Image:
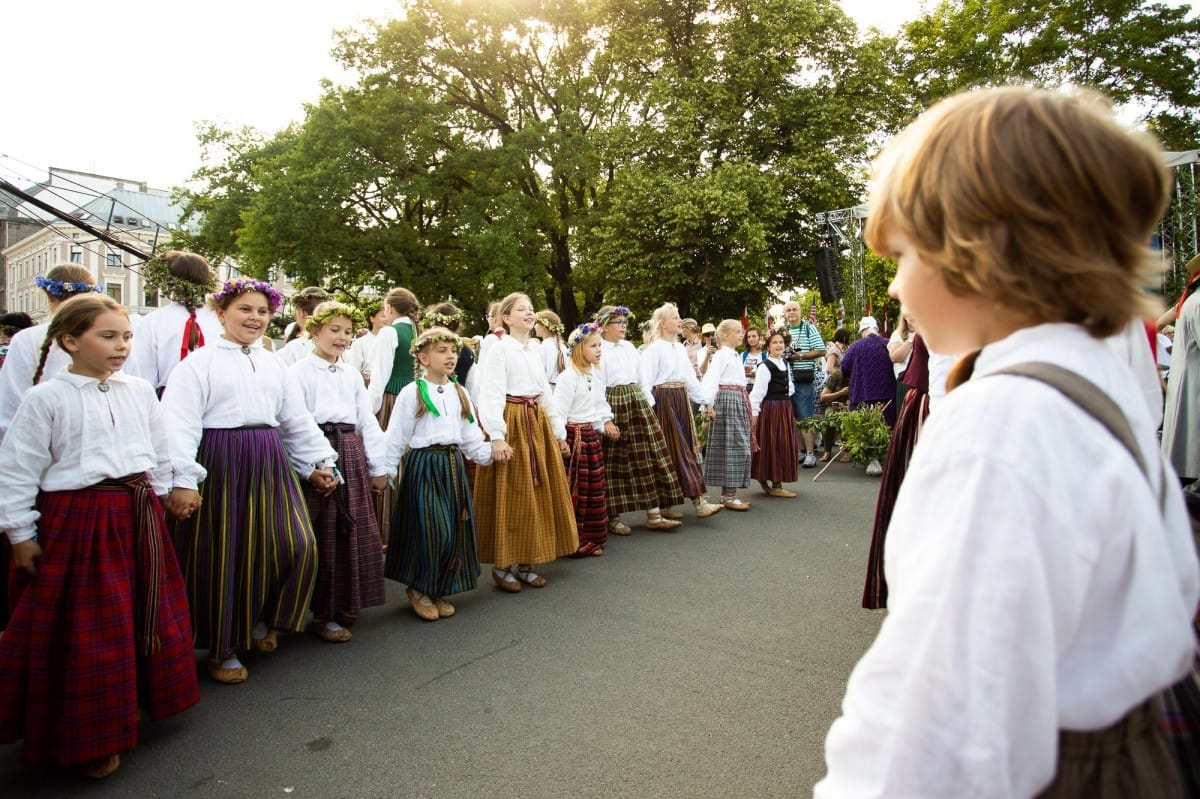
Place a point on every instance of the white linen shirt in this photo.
(513, 368)
(405, 431)
(581, 397)
(665, 361)
(724, 369)
(548, 351)
(219, 387)
(158, 340)
(384, 359)
(334, 392)
(361, 355)
(619, 364)
(16, 377)
(1025, 596)
(762, 380)
(67, 435)
(295, 351)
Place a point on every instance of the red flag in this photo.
(868, 313)
(745, 316)
(812, 313)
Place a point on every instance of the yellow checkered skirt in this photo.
(523, 511)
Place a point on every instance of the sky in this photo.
(118, 88)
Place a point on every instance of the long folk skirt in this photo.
(727, 456)
(100, 631)
(637, 472)
(249, 553)
(386, 500)
(523, 507)
(904, 438)
(679, 430)
(777, 459)
(585, 475)
(350, 557)
(433, 545)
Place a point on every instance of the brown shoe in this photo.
(659, 523)
(99, 769)
(322, 631)
(704, 508)
(444, 608)
(226, 676)
(734, 503)
(422, 605)
(506, 580)
(267, 644)
(527, 575)
(780, 491)
(345, 619)
(618, 527)
(671, 513)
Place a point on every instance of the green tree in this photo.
(1141, 54)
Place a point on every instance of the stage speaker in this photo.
(828, 280)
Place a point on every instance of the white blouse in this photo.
(549, 351)
(405, 431)
(159, 338)
(762, 382)
(581, 397)
(361, 355)
(67, 434)
(296, 350)
(665, 361)
(220, 387)
(724, 369)
(16, 377)
(513, 368)
(1024, 597)
(386, 342)
(334, 392)
(619, 364)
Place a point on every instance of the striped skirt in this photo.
(727, 456)
(523, 507)
(585, 475)
(349, 557)
(99, 632)
(386, 500)
(900, 449)
(679, 431)
(638, 474)
(434, 522)
(777, 459)
(248, 554)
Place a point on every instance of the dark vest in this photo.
(403, 364)
(777, 387)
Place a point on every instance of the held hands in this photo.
(378, 484)
(710, 412)
(325, 480)
(182, 502)
(611, 430)
(564, 447)
(501, 452)
(26, 555)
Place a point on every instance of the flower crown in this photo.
(582, 332)
(57, 288)
(157, 274)
(434, 335)
(436, 319)
(242, 285)
(328, 310)
(603, 318)
(556, 328)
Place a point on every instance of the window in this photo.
(150, 298)
(76, 256)
(119, 220)
(113, 259)
(133, 220)
(113, 290)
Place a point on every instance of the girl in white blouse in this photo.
(100, 625)
(350, 555)
(522, 501)
(432, 431)
(239, 434)
(580, 394)
(553, 350)
(730, 435)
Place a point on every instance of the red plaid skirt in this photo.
(73, 672)
(585, 474)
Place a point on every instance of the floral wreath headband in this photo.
(435, 335)
(556, 328)
(582, 332)
(440, 319)
(157, 273)
(57, 288)
(603, 319)
(328, 310)
(243, 285)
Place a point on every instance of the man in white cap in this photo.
(868, 367)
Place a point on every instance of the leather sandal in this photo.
(671, 513)
(618, 527)
(733, 503)
(322, 631)
(780, 491)
(422, 605)
(588, 548)
(527, 575)
(657, 522)
(506, 580)
(99, 769)
(445, 609)
(268, 643)
(345, 619)
(704, 508)
(227, 676)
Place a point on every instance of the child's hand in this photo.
(611, 430)
(324, 481)
(26, 555)
(378, 484)
(183, 502)
(711, 413)
(564, 447)
(501, 452)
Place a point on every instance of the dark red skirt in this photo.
(778, 456)
(73, 664)
(585, 474)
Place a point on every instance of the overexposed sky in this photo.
(117, 88)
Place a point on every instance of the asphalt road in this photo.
(707, 662)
